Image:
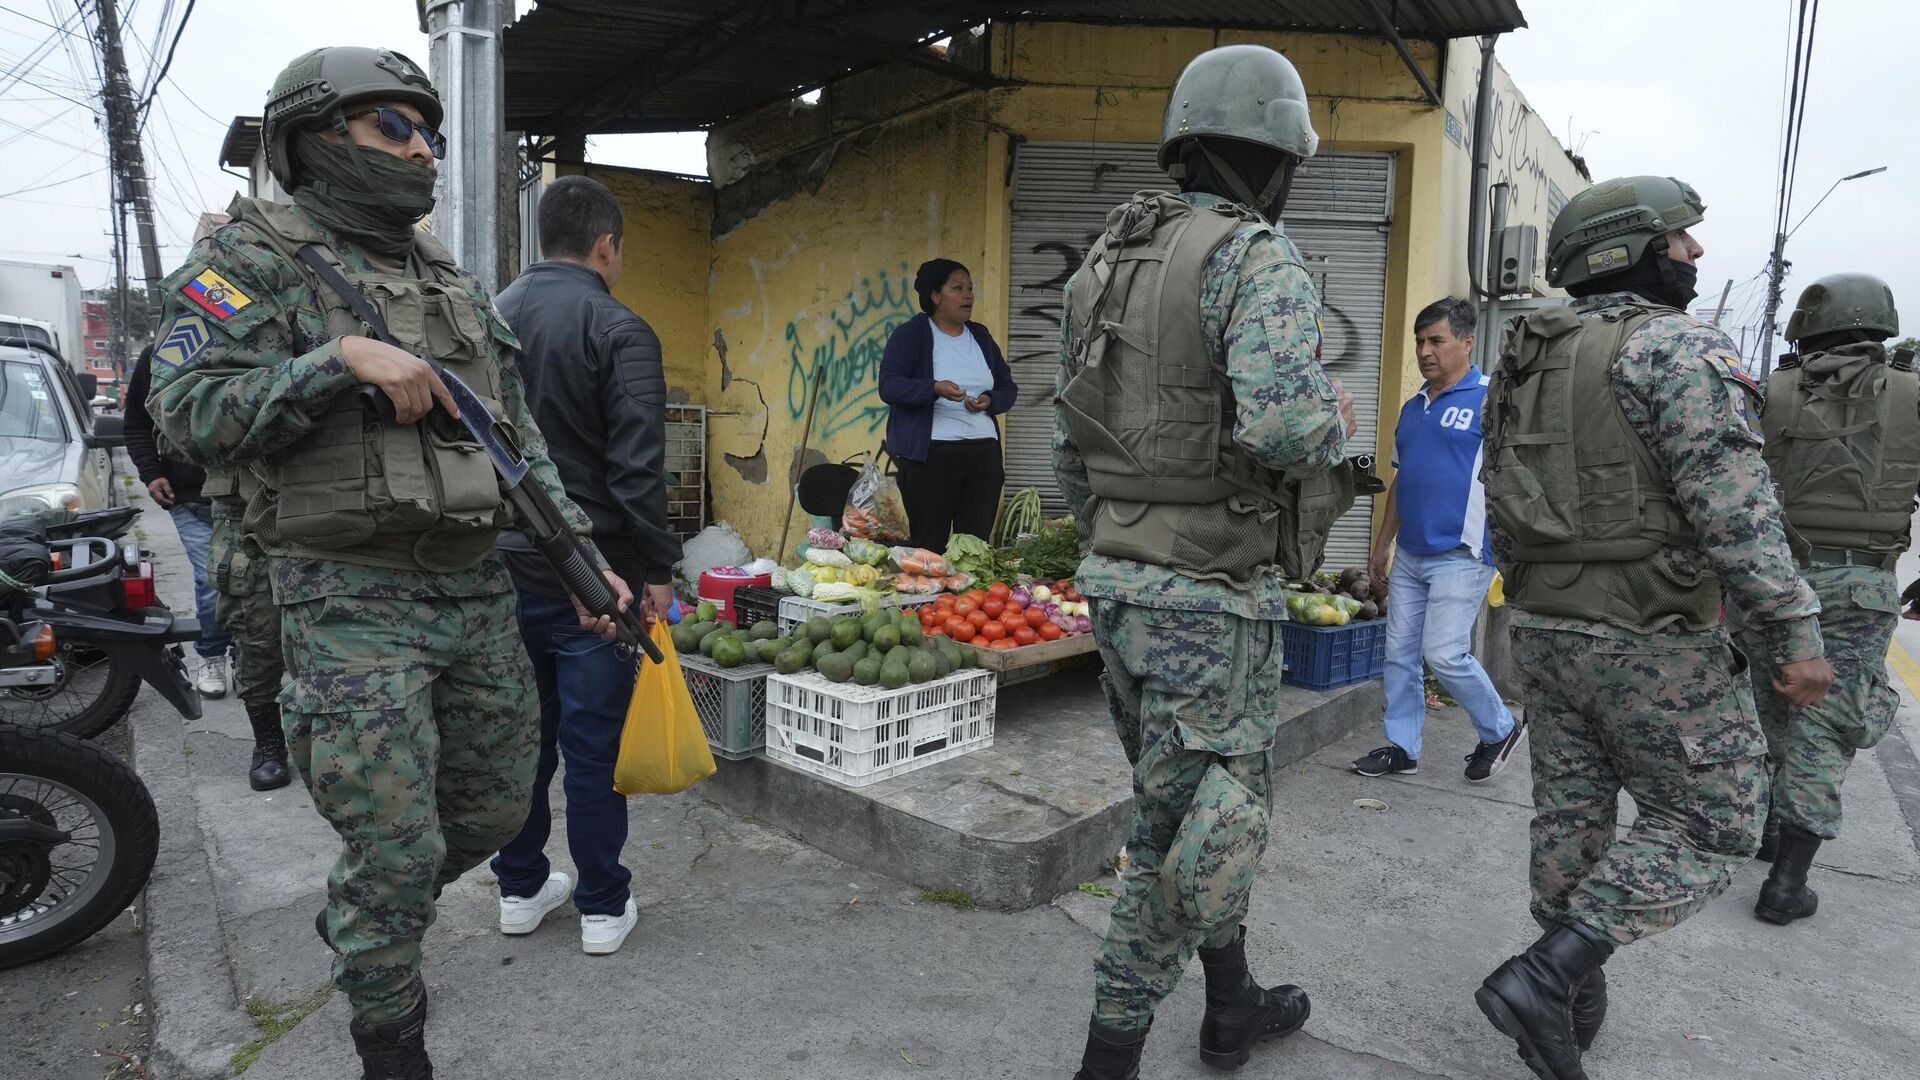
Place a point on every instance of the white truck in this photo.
(38, 300)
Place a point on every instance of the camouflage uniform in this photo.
(1809, 749)
(1669, 716)
(1192, 666)
(411, 714)
(244, 605)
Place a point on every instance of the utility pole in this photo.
(1776, 272)
(1720, 310)
(129, 164)
(463, 54)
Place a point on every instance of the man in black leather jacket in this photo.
(597, 390)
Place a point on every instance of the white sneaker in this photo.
(603, 934)
(210, 675)
(522, 914)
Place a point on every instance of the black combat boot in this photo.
(1111, 1055)
(269, 748)
(1786, 895)
(1769, 840)
(397, 1049)
(1589, 1007)
(1530, 997)
(1239, 1012)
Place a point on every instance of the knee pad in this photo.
(1215, 856)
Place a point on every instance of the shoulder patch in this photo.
(1747, 397)
(214, 294)
(183, 339)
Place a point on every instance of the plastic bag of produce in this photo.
(921, 561)
(825, 538)
(866, 552)
(663, 749)
(875, 510)
(828, 557)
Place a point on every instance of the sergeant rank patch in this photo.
(216, 294)
(185, 337)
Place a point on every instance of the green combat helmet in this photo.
(1248, 93)
(1840, 302)
(1606, 228)
(316, 84)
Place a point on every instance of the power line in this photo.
(153, 87)
(42, 22)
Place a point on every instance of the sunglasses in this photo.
(400, 128)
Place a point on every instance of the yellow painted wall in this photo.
(817, 277)
(668, 248)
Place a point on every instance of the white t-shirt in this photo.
(958, 359)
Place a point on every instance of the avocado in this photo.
(708, 643)
(683, 639)
(921, 669)
(910, 633)
(769, 651)
(705, 612)
(702, 629)
(893, 675)
(822, 651)
(942, 667)
(899, 654)
(866, 672)
(730, 653)
(955, 654)
(856, 651)
(819, 629)
(886, 639)
(845, 632)
(764, 631)
(791, 661)
(835, 667)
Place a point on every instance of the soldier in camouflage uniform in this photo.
(244, 607)
(1177, 464)
(411, 714)
(1617, 529)
(1842, 425)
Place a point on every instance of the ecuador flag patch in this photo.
(215, 294)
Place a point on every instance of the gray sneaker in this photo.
(1387, 759)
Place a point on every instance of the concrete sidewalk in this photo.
(759, 957)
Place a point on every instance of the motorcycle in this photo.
(111, 632)
(78, 828)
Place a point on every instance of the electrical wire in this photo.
(31, 60)
(154, 87)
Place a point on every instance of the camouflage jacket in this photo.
(228, 391)
(1261, 319)
(1683, 390)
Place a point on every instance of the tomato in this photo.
(945, 603)
(961, 631)
(964, 606)
(953, 621)
(1015, 604)
(998, 590)
(978, 619)
(1004, 643)
(926, 616)
(1051, 631)
(976, 595)
(1026, 636)
(1037, 617)
(993, 607)
(993, 631)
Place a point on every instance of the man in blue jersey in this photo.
(1436, 518)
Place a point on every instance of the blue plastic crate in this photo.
(1323, 657)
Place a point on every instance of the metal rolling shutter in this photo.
(1338, 214)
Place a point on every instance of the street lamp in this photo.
(1777, 269)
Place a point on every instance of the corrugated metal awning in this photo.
(578, 67)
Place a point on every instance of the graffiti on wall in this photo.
(842, 353)
(1520, 146)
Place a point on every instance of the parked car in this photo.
(54, 451)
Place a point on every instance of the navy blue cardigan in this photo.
(906, 384)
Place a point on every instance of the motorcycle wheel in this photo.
(90, 694)
(53, 897)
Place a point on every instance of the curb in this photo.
(197, 1023)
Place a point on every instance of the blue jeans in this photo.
(1432, 602)
(584, 687)
(195, 525)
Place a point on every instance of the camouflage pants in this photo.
(415, 727)
(244, 607)
(1809, 749)
(1188, 690)
(1674, 728)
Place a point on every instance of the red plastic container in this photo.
(717, 588)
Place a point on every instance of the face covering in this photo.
(1655, 276)
(372, 197)
(1679, 279)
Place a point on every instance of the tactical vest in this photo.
(1574, 486)
(1153, 417)
(419, 496)
(1843, 444)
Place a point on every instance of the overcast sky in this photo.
(1642, 86)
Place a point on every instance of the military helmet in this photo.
(1606, 228)
(318, 83)
(1844, 302)
(1245, 92)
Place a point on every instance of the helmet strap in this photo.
(1270, 198)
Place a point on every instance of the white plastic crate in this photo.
(795, 610)
(858, 735)
(732, 703)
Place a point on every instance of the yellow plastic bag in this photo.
(662, 747)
